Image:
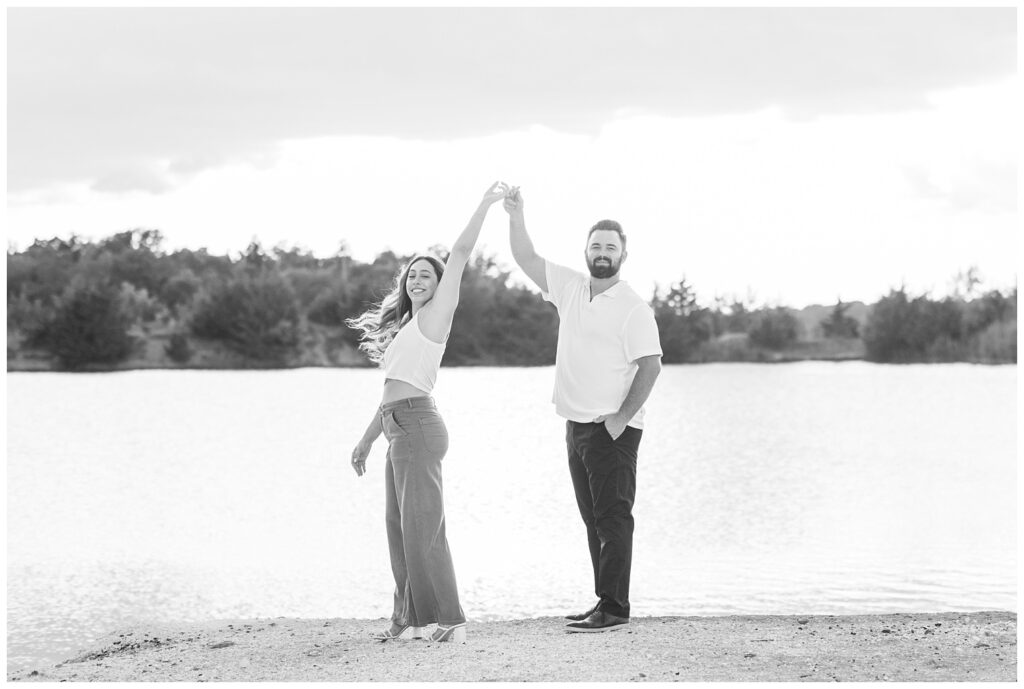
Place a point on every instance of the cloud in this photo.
(95, 93)
(979, 185)
(139, 178)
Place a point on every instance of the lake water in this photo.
(152, 496)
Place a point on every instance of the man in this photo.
(608, 357)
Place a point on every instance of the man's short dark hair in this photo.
(609, 225)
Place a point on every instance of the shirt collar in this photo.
(611, 292)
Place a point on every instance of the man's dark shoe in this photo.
(579, 617)
(598, 622)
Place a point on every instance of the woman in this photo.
(406, 334)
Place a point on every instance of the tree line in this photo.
(89, 304)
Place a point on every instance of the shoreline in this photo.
(978, 646)
(21, 368)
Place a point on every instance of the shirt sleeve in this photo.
(558, 278)
(642, 338)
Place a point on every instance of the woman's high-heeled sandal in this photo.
(398, 631)
(456, 633)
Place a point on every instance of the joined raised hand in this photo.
(513, 200)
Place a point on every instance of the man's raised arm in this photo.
(523, 252)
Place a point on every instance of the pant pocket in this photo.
(435, 434)
(391, 427)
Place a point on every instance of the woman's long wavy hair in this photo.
(380, 323)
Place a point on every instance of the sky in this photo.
(792, 156)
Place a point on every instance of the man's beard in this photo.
(604, 270)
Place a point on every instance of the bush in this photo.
(901, 329)
(683, 325)
(996, 344)
(774, 328)
(255, 316)
(25, 315)
(134, 257)
(89, 327)
(180, 289)
(178, 350)
(138, 305)
(945, 349)
(838, 324)
(44, 270)
(341, 301)
(992, 307)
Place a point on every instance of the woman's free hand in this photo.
(359, 456)
(496, 192)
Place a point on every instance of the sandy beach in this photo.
(899, 647)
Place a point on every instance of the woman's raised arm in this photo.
(436, 318)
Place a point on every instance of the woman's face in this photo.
(421, 282)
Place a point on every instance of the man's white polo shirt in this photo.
(599, 342)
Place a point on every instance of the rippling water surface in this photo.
(803, 488)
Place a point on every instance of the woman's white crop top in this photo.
(412, 358)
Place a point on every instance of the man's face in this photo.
(604, 253)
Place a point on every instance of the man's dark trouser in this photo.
(604, 478)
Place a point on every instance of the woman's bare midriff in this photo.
(395, 390)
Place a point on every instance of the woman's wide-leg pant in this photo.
(425, 589)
